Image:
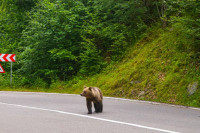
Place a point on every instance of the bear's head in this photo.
(87, 92)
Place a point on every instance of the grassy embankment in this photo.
(153, 69)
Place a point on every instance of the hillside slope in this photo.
(153, 69)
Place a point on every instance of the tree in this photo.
(52, 40)
(184, 19)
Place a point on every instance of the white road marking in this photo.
(155, 103)
(91, 117)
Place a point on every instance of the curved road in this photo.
(24, 112)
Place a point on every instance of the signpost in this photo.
(7, 58)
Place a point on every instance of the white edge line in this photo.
(91, 117)
(154, 103)
(113, 98)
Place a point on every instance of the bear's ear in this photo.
(85, 86)
(90, 88)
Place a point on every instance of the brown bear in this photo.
(93, 94)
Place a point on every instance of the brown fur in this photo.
(93, 94)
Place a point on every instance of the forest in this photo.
(62, 45)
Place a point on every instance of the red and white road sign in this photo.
(1, 69)
(7, 57)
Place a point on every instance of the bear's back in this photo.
(97, 93)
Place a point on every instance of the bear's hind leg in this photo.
(96, 107)
(100, 107)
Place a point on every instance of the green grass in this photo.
(153, 69)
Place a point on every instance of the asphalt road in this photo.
(23, 112)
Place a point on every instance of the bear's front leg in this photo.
(89, 106)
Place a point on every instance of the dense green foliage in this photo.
(65, 41)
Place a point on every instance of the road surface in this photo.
(24, 112)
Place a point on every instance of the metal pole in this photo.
(11, 75)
